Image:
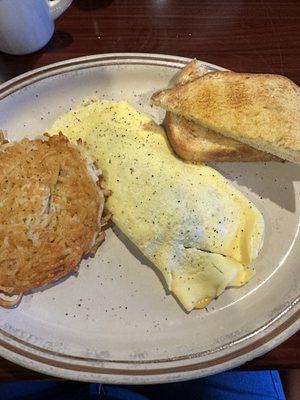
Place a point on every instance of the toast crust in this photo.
(191, 71)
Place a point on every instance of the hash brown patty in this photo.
(50, 211)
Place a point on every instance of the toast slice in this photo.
(261, 110)
(191, 71)
(194, 142)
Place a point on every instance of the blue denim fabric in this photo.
(232, 385)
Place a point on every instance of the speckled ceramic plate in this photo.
(114, 322)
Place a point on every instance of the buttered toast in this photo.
(194, 142)
(261, 110)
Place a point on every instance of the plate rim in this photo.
(15, 350)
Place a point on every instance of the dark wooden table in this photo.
(253, 36)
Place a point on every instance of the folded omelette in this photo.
(196, 228)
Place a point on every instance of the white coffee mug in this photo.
(28, 25)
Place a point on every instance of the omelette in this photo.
(196, 228)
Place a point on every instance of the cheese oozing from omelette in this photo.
(197, 229)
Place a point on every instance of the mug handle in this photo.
(57, 7)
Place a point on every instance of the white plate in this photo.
(114, 321)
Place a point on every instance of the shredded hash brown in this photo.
(50, 210)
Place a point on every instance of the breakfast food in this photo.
(197, 229)
(194, 142)
(261, 110)
(191, 71)
(50, 212)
